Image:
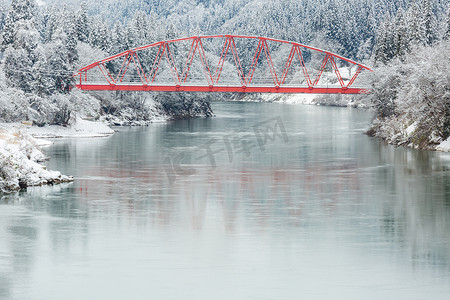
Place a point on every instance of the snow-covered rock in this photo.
(19, 163)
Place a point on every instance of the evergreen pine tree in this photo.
(59, 59)
(171, 32)
(139, 22)
(118, 40)
(3, 11)
(385, 43)
(43, 84)
(20, 10)
(99, 34)
(429, 22)
(401, 34)
(52, 23)
(82, 23)
(447, 25)
(20, 39)
(415, 23)
(71, 41)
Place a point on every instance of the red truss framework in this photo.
(212, 76)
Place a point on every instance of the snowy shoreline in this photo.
(309, 99)
(20, 161)
(400, 134)
(79, 129)
(21, 155)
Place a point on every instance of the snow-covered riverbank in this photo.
(411, 99)
(20, 158)
(311, 99)
(396, 131)
(79, 129)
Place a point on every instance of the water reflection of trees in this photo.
(41, 218)
(417, 211)
(398, 201)
(18, 238)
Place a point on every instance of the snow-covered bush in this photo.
(13, 104)
(412, 98)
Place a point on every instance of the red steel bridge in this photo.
(224, 63)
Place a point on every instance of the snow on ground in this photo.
(19, 162)
(309, 99)
(313, 99)
(42, 143)
(411, 128)
(444, 146)
(81, 128)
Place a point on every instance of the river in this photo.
(263, 201)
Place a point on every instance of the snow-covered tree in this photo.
(385, 43)
(118, 39)
(20, 39)
(415, 23)
(430, 23)
(61, 56)
(50, 21)
(70, 42)
(21, 14)
(3, 11)
(402, 34)
(18, 68)
(447, 25)
(82, 23)
(99, 34)
(43, 83)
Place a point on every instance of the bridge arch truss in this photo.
(169, 66)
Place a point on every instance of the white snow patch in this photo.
(80, 129)
(444, 146)
(42, 143)
(411, 128)
(301, 99)
(309, 99)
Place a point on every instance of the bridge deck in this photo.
(224, 89)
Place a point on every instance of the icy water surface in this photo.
(264, 201)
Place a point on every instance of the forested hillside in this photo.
(348, 27)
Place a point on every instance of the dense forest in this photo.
(44, 42)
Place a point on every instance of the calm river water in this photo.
(263, 201)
